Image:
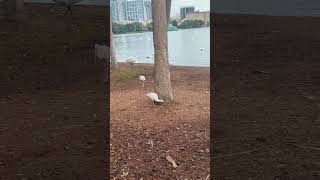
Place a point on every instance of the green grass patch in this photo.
(122, 75)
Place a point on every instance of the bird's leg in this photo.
(142, 84)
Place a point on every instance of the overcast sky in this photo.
(202, 5)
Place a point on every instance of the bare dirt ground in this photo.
(53, 103)
(143, 134)
(266, 101)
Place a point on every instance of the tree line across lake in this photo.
(119, 28)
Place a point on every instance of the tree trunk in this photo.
(160, 39)
(168, 10)
(114, 64)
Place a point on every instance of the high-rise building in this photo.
(131, 10)
(114, 10)
(117, 10)
(184, 11)
(134, 10)
(148, 10)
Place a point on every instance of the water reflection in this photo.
(184, 47)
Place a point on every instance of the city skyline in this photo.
(131, 10)
(119, 13)
(201, 5)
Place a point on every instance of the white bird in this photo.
(67, 3)
(154, 97)
(131, 61)
(142, 79)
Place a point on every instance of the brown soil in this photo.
(266, 122)
(180, 130)
(53, 100)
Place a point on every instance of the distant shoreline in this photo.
(151, 31)
(151, 64)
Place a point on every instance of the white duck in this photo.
(142, 79)
(154, 97)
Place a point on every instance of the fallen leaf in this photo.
(171, 161)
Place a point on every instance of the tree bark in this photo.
(160, 38)
(114, 64)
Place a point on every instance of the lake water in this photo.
(184, 47)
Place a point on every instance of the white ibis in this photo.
(131, 61)
(142, 79)
(154, 97)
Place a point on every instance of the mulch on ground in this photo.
(143, 134)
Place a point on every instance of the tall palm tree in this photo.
(160, 16)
